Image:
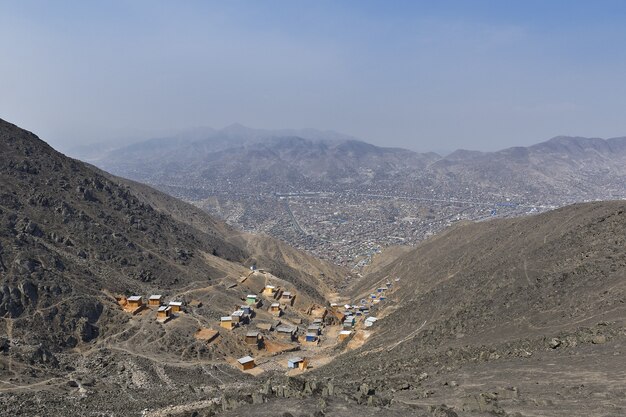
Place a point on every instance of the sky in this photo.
(423, 75)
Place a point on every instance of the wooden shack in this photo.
(286, 332)
(176, 306)
(227, 322)
(275, 309)
(134, 301)
(155, 300)
(286, 297)
(245, 363)
(253, 338)
(164, 313)
(269, 290)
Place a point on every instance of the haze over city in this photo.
(423, 76)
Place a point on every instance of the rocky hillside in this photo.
(74, 242)
(533, 303)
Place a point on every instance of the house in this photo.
(314, 329)
(380, 289)
(311, 337)
(246, 309)
(349, 321)
(318, 322)
(251, 300)
(164, 313)
(245, 363)
(227, 322)
(297, 363)
(155, 300)
(344, 334)
(287, 297)
(134, 301)
(176, 306)
(287, 332)
(253, 338)
(237, 316)
(269, 290)
(275, 309)
(369, 322)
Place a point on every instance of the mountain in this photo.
(342, 199)
(508, 315)
(562, 169)
(565, 169)
(75, 242)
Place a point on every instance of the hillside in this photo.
(535, 303)
(76, 242)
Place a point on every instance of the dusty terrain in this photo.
(519, 317)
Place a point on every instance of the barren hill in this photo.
(535, 303)
(75, 243)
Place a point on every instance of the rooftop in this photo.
(245, 359)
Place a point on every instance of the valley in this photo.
(520, 316)
(343, 200)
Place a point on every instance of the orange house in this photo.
(245, 363)
(155, 300)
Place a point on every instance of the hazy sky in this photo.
(433, 75)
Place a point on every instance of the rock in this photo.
(442, 411)
(599, 340)
(422, 376)
(554, 343)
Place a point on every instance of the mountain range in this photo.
(510, 317)
(562, 169)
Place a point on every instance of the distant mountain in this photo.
(563, 169)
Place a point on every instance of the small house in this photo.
(253, 338)
(314, 329)
(251, 299)
(286, 297)
(176, 306)
(344, 334)
(269, 290)
(237, 316)
(295, 363)
(227, 322)
(369, 322)
(318, 322)
(286, 332)
(245, 363)
(134, 301)
(155, 300)
(349, 321)
(311, 337)
(164, 313)
(380, 289)
(246, 309)
(275, 309)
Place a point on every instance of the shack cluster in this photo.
(135, 304)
